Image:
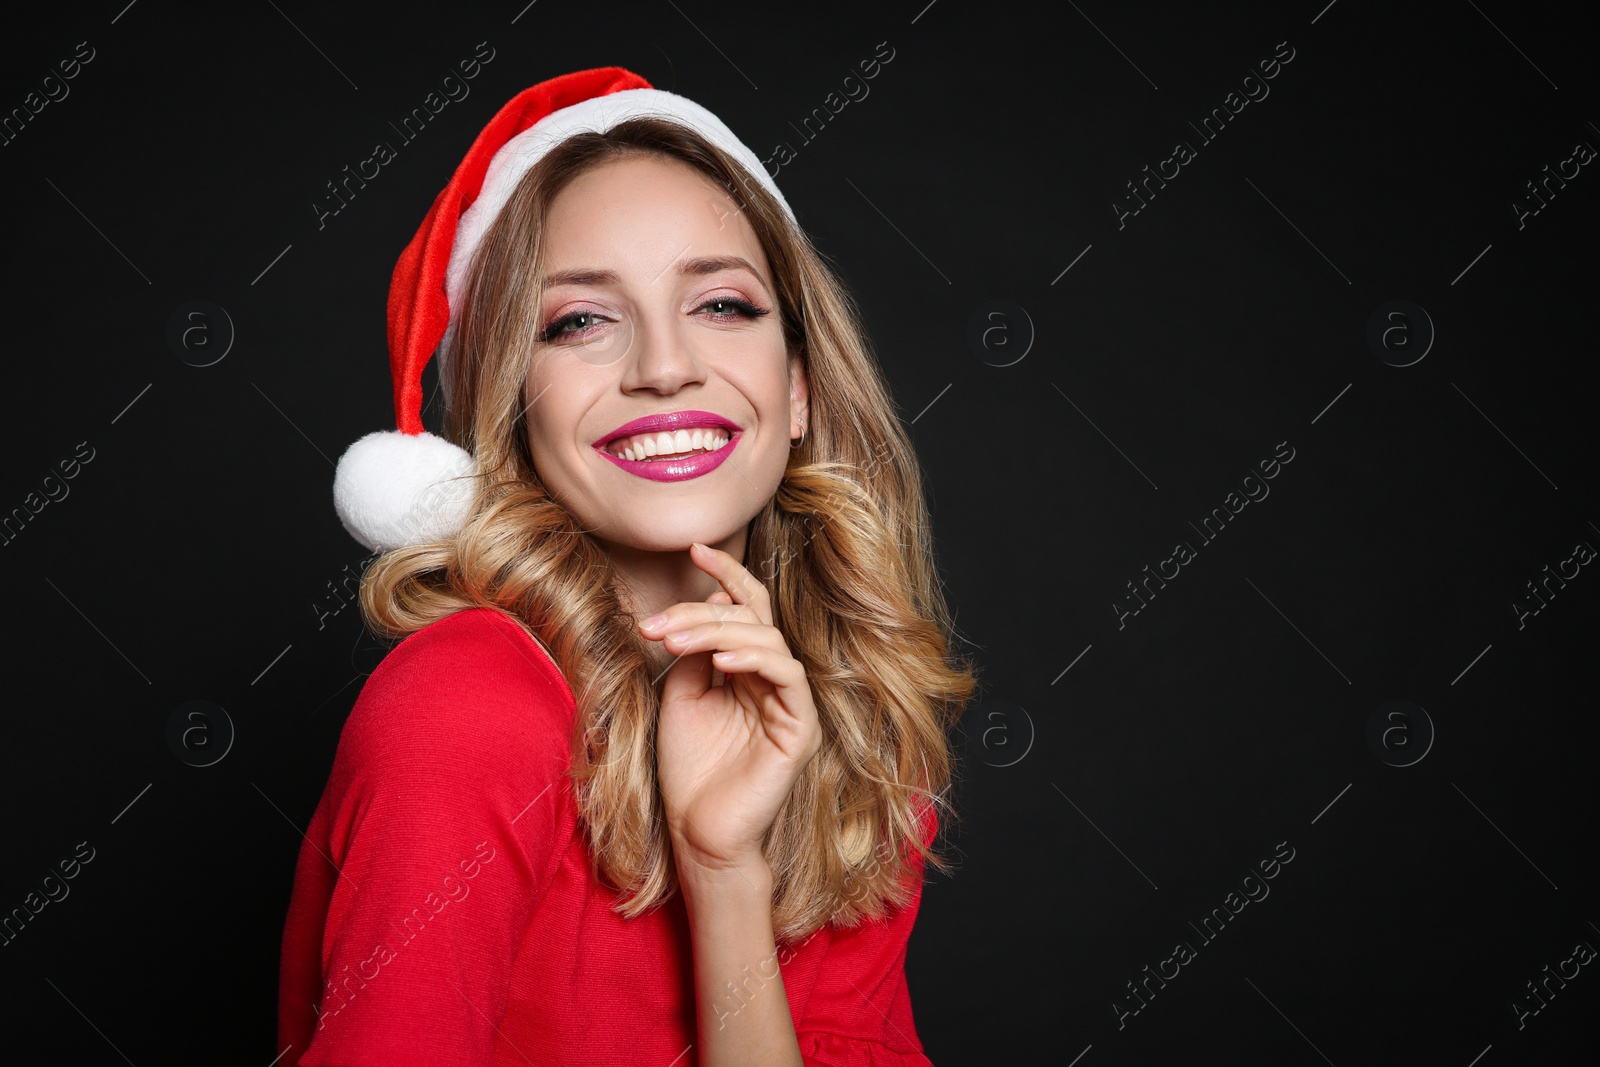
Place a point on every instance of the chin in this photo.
(674, 536)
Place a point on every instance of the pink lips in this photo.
(672, 470)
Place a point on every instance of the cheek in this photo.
(553, 410)
(540, 445)
(532, 427)
(762, 375)
(534, 383)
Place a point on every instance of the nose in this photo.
(661, 357)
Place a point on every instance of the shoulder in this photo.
(468, 648)
(470, 686)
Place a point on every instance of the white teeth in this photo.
(643, 446)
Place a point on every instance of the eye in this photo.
(740, 309)
(584, 320)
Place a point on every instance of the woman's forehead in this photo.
(646, 213)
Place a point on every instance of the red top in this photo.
(443, 911)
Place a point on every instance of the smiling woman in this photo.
(654, 333)
(655, 391)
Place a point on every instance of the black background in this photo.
(1106, 807)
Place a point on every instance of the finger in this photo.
(740, 584)
(724, 636)
(687, 677)
(684, 615)
(785, 673)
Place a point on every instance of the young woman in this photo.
(651, 777)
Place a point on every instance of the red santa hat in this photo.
(407, 486)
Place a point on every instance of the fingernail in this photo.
(654, 622)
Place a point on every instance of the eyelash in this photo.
(742, 308)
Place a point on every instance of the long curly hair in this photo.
(844, 547)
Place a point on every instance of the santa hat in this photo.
(407, 486)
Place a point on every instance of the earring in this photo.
(797, 444)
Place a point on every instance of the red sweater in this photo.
(443, 912)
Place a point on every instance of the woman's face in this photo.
(651, 273)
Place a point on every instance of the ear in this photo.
(799, 397)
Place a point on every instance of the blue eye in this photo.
(742, 309)
(558, 328)
(579, 323)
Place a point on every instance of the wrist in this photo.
(718, 877)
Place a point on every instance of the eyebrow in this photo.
(693, 267)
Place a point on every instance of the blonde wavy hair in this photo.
(844, 547)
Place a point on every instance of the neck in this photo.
(648, 582)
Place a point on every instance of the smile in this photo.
(668, 444)
(671, 457)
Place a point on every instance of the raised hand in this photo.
(727, 755)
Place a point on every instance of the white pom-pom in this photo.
(392, 489)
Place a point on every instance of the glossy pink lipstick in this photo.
(683, 467)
